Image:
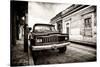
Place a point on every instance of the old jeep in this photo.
(45, 37)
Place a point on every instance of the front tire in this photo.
(62, 49)
(35, 56)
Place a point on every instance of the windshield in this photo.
(45, 28)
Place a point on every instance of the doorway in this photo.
(66, 25)
(67, 28)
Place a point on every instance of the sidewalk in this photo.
(92, 44)
(19, 57)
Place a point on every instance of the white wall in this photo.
(77, 24)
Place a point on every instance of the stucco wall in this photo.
(76, 25)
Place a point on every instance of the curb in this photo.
(93, 45)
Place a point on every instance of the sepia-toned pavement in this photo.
(75, 53)
(19, 57)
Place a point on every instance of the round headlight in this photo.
(38, 40)
(66, 38)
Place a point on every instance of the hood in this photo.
(49, 34)
(46, 34)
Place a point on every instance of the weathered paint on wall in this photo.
(76, 25)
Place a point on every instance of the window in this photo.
(44, 28)
(88, 27)
(87, 22)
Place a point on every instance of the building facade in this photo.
(79, 21)
(57, 21)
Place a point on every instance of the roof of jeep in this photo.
(43, 24)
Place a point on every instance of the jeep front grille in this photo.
(50, 39)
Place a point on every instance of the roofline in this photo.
(43, 24)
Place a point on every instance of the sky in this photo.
(42, 12)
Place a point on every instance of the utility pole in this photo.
(26, 34)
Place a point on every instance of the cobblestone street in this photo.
(75, 53)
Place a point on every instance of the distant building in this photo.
(79, 21)
(57, 21)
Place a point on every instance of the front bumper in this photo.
(51, 46)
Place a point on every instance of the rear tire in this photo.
(62, 49)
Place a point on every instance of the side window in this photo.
(88, 27)
(87, 22)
